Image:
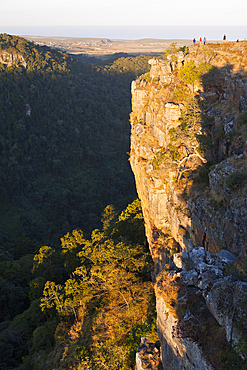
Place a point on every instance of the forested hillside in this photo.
(64, 138)
(85, 305)
(69, 299)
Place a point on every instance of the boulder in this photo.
(225, 257)
(211, 112)
(208, 274)
(229, 123)
(197, 255)
(173, 111)
(243, 103)
(181, 259)
(189, 277)
(177, 259)
(225, 301)
(139, 129)
(209, 259)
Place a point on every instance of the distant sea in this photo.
(131, 32)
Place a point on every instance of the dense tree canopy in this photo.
(64, 135)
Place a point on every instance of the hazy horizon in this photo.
(131, 32)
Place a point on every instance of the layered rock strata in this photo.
(188, 155)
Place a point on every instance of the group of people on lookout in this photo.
(204, 40)
(200, 40)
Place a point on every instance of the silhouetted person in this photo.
(194, 41)
(224, 38)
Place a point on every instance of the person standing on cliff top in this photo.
(200, 40)
(224, 38)
(204, 40)
(194, 41)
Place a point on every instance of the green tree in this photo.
(108, 216)
(189, 74)
(71, 244)
(52, 297)
(110, 289)
(48, 264)
(130, 224)
(44, 255)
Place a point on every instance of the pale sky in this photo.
(124, 12)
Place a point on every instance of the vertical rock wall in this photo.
(184, 148)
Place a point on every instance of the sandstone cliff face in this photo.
(188, 155)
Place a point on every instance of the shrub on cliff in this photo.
(242, 118)
(189, 74)
(235, 180)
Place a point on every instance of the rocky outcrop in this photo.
(10, 59)
(147, 356)
(224, 295)
(188, 155)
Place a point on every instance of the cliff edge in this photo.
(188, 155)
